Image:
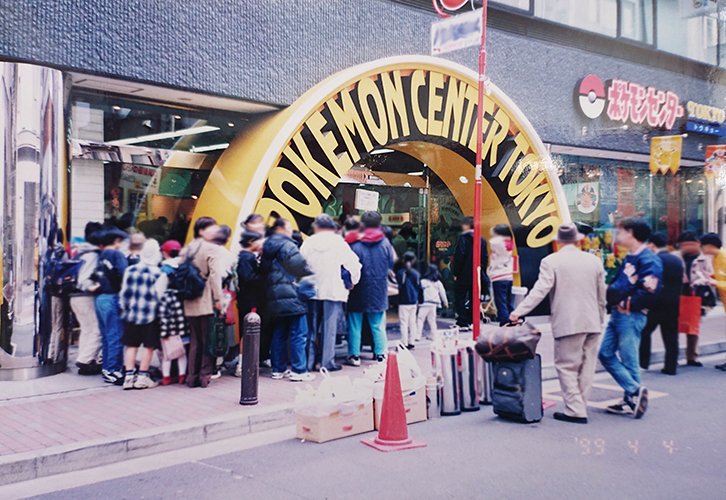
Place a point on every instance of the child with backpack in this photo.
(173, 328)
(501, 270)
(434, 297)
(409, 290)
(139, 300)
(108, 276)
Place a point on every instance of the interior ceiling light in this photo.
(165, 135)
(230, 124)
(464, 179)
(177, 117)
(416, 174)
(116, 108)
(213, 147)
(382, 151)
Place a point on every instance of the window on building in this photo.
(689, 29)
(599, 16)
(636, 20)
(517, 4)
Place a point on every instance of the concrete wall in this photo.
(275, 50)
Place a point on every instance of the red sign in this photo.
(630, 102)
(453, 4)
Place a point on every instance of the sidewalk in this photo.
(67, 422)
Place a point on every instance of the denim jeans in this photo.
(619, 352)
(292, 330)
(377, 322)
(324, 319)
(503, 300)
(111, 326)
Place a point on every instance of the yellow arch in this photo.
(237, 184)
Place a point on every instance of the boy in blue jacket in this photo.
(634, 290)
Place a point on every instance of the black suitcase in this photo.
(517, 389)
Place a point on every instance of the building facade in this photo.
(145, 113)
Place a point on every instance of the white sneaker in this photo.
(302, 377)
(238, 370)
(129, 381)
(281, 375)
(144, 382)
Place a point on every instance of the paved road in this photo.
(677, 451)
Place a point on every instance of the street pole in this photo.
(476, 267)
(476, 292)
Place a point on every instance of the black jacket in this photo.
(672, 281)
(250, 292)
(282, 265)
(462, 267)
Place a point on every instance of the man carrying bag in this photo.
(575, 283)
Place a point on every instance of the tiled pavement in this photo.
(69, 413)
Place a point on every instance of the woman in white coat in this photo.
(336, 269)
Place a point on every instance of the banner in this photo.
(665, 153)
(715, 161)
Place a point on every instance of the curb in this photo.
(67, 458)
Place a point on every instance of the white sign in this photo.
(366, 200)
(456, 32)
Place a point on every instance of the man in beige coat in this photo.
(575, 282)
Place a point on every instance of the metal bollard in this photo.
(450, 402)
(250, 357)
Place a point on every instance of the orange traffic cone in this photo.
(393, 431)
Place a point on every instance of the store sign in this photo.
(665, 154)
(629, 102)
(291, 162)
(139, 178)
(716, 163)
(457, 32)
(705, 119)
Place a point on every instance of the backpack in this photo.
(187, 280)
(63, 277)
(105, 270)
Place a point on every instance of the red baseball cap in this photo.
(171, 245)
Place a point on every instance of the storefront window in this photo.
(636, 20)
(601, 192)
(600, 16)
(139, 164)
(689, 29)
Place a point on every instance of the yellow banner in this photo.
(665, 153)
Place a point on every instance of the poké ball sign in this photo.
(289, 164)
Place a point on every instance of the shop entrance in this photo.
(325, 148)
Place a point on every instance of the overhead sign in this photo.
(665, 153)
(629, 102)
(705, 119)
(293, 160)
(457, 32)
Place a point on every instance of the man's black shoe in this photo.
(668, 372)
(334, 368)
(696, 364)
(566, 418)
(721, 367)
(89, 368)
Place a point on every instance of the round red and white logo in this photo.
(452, 4)
(591, 95)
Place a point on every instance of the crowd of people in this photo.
(134, 297)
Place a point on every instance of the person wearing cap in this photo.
(112, 264)
(712, 246)
(696, 281)
(575, 283)
(136, 243)
(664, 313)
(634, 290)
(336, 269)
(170, 314)
(139, 300)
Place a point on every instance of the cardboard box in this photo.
(414, 402)
(348, 420)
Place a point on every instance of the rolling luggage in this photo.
(517, 390)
